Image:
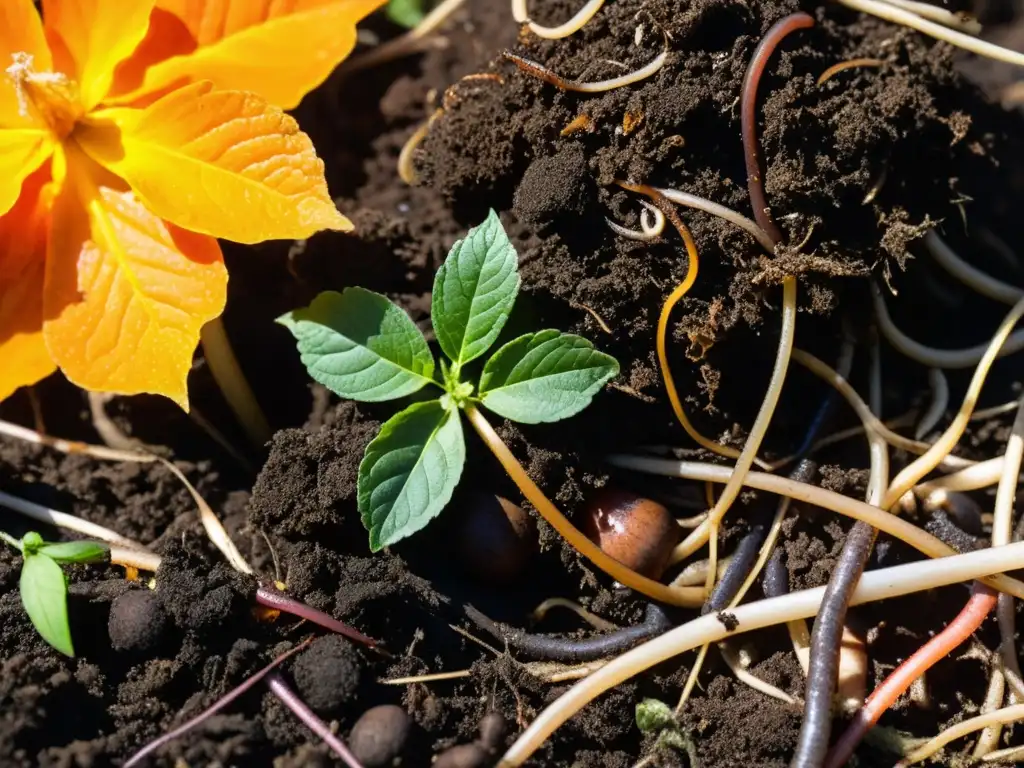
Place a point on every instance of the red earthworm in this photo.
(835, 69)
(214, 708)
(269, 597)
(311, 720)
(748, 116)
(562, 83)
(983, 600)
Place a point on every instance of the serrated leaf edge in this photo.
(442, 501)
(451, 263)
(291, 321)
(587, 394)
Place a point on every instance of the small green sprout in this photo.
(362, 347)
(44, 589)
(655, 718)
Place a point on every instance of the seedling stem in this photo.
(232, 382)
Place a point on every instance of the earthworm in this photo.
(826, 637)
(743, 559)
(775, 581)
(982, 601)
(572, 650)
(271, 598)
(748, 550)
(748, 116)
(548, 76)
(835, 69)
(309, 718)
(214, 708)
(827, 632)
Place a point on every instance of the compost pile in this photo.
(859, 166)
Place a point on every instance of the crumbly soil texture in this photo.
(857, 168)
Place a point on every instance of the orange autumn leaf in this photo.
(22, 253)
(126, 293)
(89, 38)
(224, 163)
(280, 49)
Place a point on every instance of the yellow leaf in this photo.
(126, 293)
(21, 31)
(223, 163)
(22, 150)
(89, 38)
(22, 259)
(280, 49)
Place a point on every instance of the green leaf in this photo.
(544, 376)
(653, 715)
(409, 471)
(361, 346)
(75, 552)
(44, 593)
(406, 13)
(474, 291)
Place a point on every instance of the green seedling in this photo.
(655, 718)
(44, 589)
(363, 347)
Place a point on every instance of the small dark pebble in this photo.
(729, 620)
(137, 621)
(472, 755)
(379, 736)
(492, 730)
(327, 673)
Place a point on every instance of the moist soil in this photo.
(856, 170)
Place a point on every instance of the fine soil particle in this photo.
(856, 170)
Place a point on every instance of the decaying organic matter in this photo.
(861, 172)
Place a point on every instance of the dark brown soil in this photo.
(149, 661)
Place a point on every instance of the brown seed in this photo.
(379, 735)
(492, 730)
(637, 532)
(495, 537)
